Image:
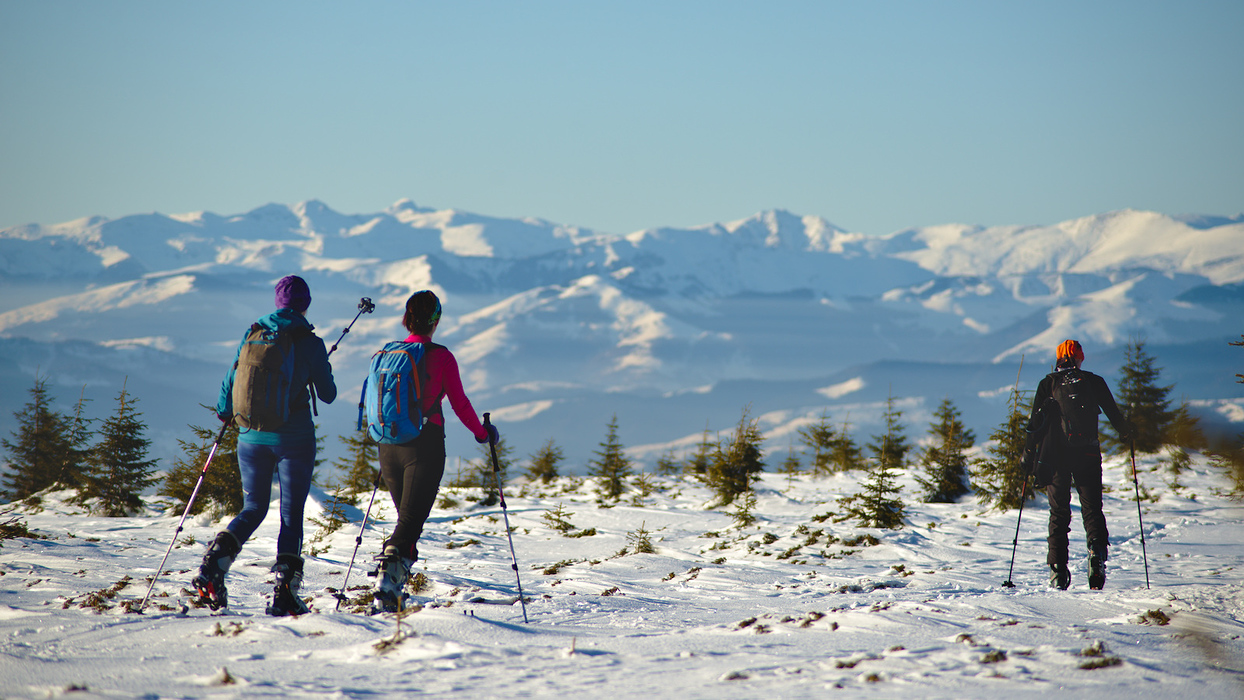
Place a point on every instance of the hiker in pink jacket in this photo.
(412, 471)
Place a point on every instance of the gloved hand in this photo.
(493, 436)
(223, 418)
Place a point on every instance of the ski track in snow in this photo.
(922, 613)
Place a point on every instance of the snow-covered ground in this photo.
(789, 607)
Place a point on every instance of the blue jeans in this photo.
(293, 465)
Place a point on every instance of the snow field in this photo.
(796, 605)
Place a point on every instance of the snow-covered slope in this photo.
(799, 604)
(558, 328)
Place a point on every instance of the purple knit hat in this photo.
(293, 293)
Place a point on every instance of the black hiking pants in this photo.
(1082, 468)
(412, 472)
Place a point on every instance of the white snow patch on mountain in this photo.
(841, 389)
(669, 328)
(117, 296)
(522, 411)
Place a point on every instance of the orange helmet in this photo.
(1070, 349)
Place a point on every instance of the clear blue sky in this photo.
(621, 116)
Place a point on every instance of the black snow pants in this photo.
(1081, 467)
(412, 472)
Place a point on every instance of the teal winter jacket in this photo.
(311, 367)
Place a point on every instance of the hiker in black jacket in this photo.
(1066, 406)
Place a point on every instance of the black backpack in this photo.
(263, 378)
(1077, 406)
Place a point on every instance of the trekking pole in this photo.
(1023, 496)
(341, 595)
(365, 307)
(1136, 483)
(1015, 542)
(193, 494)
(496, 474)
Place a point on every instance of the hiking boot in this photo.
(1097, 569)
(1060, 577)
(393, 570)
(285, 600)
(210, 582)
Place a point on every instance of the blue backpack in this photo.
(391, 392)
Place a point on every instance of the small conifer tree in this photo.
(697, 463)
(1184, 430)
(668, 464)
(643, 486)
(483, 472)
(221, 492)
(819, 438)
(744, 511)
(844, 454)
(1228, 454)
(891, 447)
(543, 464)
(737, 463)
(39, 447)
(879, 504)
(334, 517)
(119, 470)
(999, 479)
(362, 475)
(611, 467)
(945, 462)
(1144, 403)
(73, 473)
(558, 518)
(791, 465)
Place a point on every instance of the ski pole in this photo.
(1136, 484)
(341, 595)
(496, 474)
(190, 503)
(365, 307)
(1015, 542)
(1023, 496)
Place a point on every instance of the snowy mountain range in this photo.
(674, 331)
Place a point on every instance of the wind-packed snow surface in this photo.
(673, 331)
(798, 605)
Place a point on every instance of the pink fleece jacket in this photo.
(444, 380)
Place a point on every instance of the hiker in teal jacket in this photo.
(287, 451)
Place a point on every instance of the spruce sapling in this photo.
(738, 462)
(221, 491)
(37, 452)
(999, 479)
(612, 467)
(543, 464)
(1144, 403)
(819, 438)
(945, 462)
(118, 469)
(879, 504)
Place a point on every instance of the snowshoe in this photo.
(1097, 569)
(384, 603)
(393, 570)
(210, 582)
(285, 600)
(1060, 577)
